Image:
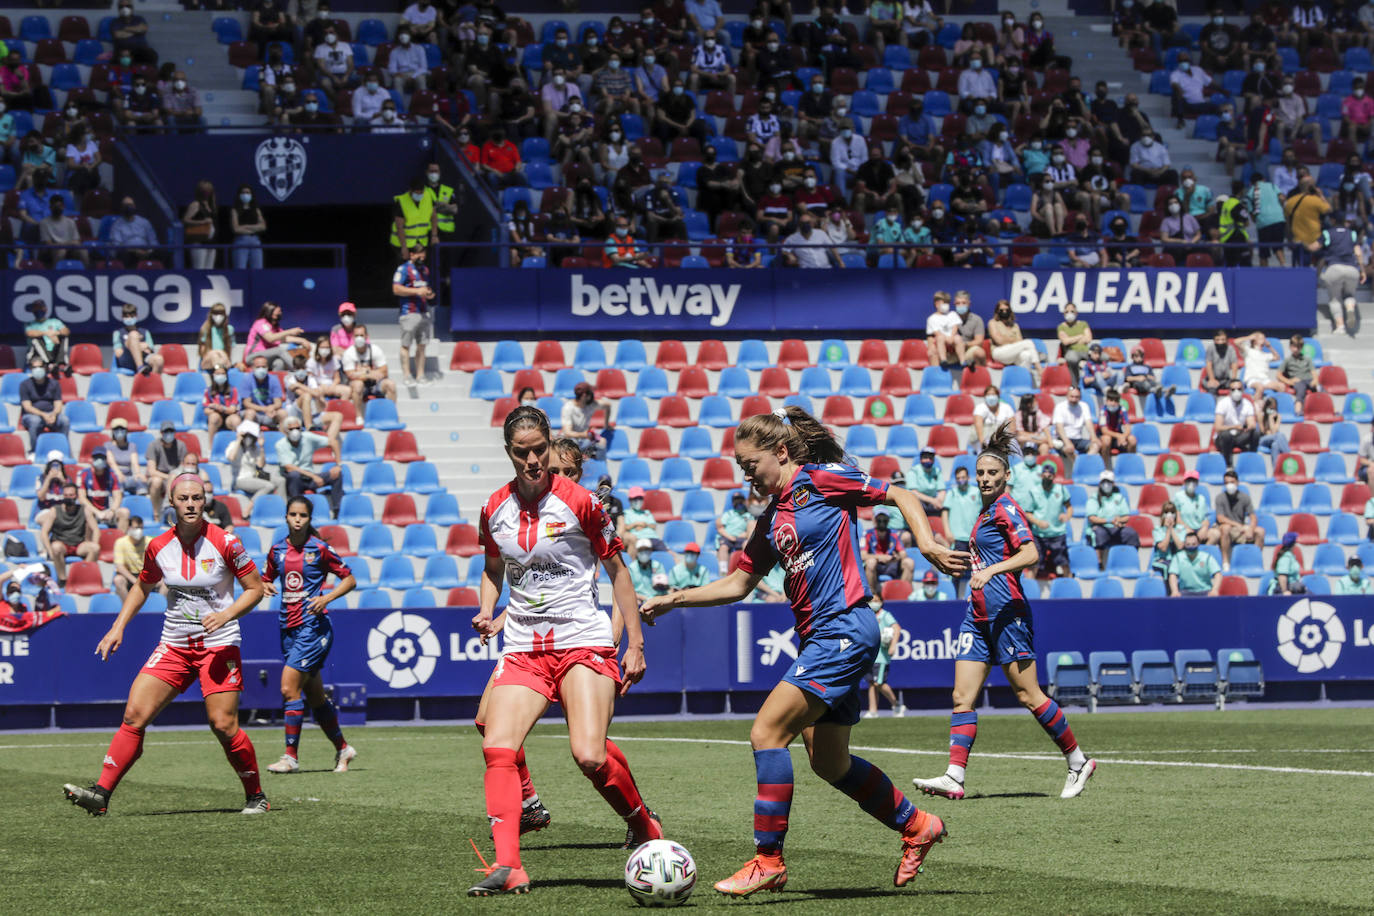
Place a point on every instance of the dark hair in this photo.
(806, 438)
(1001, 444)
(569, 451)
(524, 417)
(309, 510)
(1030, 413)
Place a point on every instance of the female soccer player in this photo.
(809, 526)
(200, 641)
(545, 534)
(303, 561)
(998, 628)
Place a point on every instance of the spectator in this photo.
(886, 232)
(407, 68)
(1272, 439)
(622, 250)
(1234, 428)
(1141, 379)
(883, 554)
(248, 225)
(33, 200)
(1114, 428)
(1034, 429)
(368, 101)
(1221, 366)
(889, 635)
(1296, 372)
(128, 557)
(930, 589)
(1357, 110)
(326, 371)
(487, 67)
(1232, 217)
(48, 490)
(69, 529)
(894, 519)
(1109, 517)
(387, 121)
(1096, 373)
(1040, 50)
(1188, 86)
(808, 248)
(1287, 578)
(1344, 255)
(1179, 231)
(181, 106)
(248, 463)
(100, 491)
(1150, 162)
(201, 219)
(662, 216)
(16, 82)
(501, 163)
(875, 183)
(1086, 249)
(943, 335)
(306, 401)
(1255, 353)
(262, 396)
(1197, 199)
(772, 64)
(1221, 44)
(733, 528)
(1073, 425)
(333, 64)
(710, 66)
(812, 196)
(222, 404)
(131, 234)
(1194, 571)
(1008, 345)
(341, 334)
(1194, 511)
(1047, 207)
(1168, 536)
(927, 481)
(215, 339)
(848, 152)
(164, 458)
(1074, 337)
(411, 285)
(140, 108)
(216, 511)
(82, 159)
(1123, 250)
(365, 367)
(706, 19)
(990, 413)
(270, 24)
(1353, 582)
(614, 86)
(971, 328)
(1304, 209)
(577, 416)
(1048, 511)
(130, 33)
(689, 573)
(976, 84)
(48, 338)
(269, 340)
(638, 523)
(1236, 519)
(125, 457)
(40, 403)
(959, 512)
(296, 458)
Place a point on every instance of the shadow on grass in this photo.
(580, 882)
(607, 845)
(983, 795)
(184, 811)
(851, 893)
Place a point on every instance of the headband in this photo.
(187, 475)
(781, 414)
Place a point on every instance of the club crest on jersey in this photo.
(207, 565)
(801, 496)
(310, 557)
(554, 529)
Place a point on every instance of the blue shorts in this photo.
(1008, 637)
(833, 662)
(307, 646)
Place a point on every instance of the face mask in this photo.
(927, 465)
(1173, 208)
(1189, 183)
(1286, 90)
(260, 373)
(1231, 488)
(1184, 66)
(312, 106)
(99, 464)
(1106, 488)
(169, 437)
(690, 561)
(975, 64)
(1113, 408)
(120, 434)
(614, 64)
(648, 20)
(1237, 395)
(39, 374)
(301, 375)
(790, 156)
(991, 400)
(221, 378)
(179, 85)
(530, 402)
(1036, 23)
(930, 591)
(130, 322)
(293, 436)
(709, 44)
(246, 199)
(811, 182)
(648, 60)
(562, 43)
(389, 114)
(417, 196)
(288, 88)
(644, 557)
(1147, 141)
(937, 215)
(1356, 573)
(574, 108)
(772, 45)
(331, 38)
(371, 87)
(136, 533)
(677, 90)
(1192, 549)
(346, 319)
(1059, 158)
(128, 210)
(1036, 144)
(756, 23)
(622, 231)
(403, 39)
(963, 310)
(806, 230)
(818, 88)
(125, 61)
(1071, 132)
(483, 40)
(1097, 160)
(617, 30)
(980, 110)
(841, 112)
(942, 307)
(1070, 317)
(1348, 185)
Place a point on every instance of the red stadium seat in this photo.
(913, 354)
(1306, 438)
(945, 441)
(89, 443)
(462, 541)
(838, 411)
(884, 466)
(660, 503)
(672, 356)
(693, 383)
(1183, 438)
(1291, 469)
(9, 515)
(83, 578)
(1318, 408)
(336, 536)
(467, 356)
(1304, 525)
(1056, 380)
(793, 354)
(401, 446)
(243, 54)
(878, 411)
(86, 359)
(654, 444)
(399, 509)
(500, 409)
(73, 29)
(719, 473)
(1152, 499)
(192, 443)
(1354, 496)
(1155, 356)
(711, 355)
(1233, 586)
(529, 378)
(107, 538)
(1333, 381)
(673, 411)
(959, 409)
(775, 382)
(873, 354)
(127, 411)
(975, 380)
(755, 405)
(727, 443)
(349, 413)
(1169, 469)
(896, 590)
(548, 355)
(462, 597)
(148, 389)
(896, 382)
(231, 502)
(1198, 259)
(610, 383)
(174, 360)
(1145, 528)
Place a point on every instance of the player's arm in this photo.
(247, 600)
(623, 593)
(728, 589)
(320, 602)
(492, 572)
(1024, 558)
(133, 603)
(947, 561)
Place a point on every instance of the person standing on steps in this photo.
(411, 286)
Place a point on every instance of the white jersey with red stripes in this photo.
(551, 548)
(200, 580)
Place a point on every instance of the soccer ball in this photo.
(660, 873)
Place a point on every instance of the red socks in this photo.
(244, 760)
(502, 785)
(125, 747)
(613, 780)
(527, 791)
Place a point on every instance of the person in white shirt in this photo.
(711, 67)
(976, 83)
(306, 401)
(1073, 426)
(333, 64)
(367, 101)
(990, 413)
(424, 22)
(848, 151)
(808, 248)
(364, 365)
(577, 417)
(408, 67)
(387, 120)
(1256, 352)
(324, 368)
(942, 332)
(1235, 427)
(1188, 85)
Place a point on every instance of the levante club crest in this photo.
(281, 165)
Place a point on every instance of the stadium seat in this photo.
(699, 505)
(375, 541)
(1069, 680)
(654, 445)
(1083, 562)
(734, 382)
(815, 383)
(399, 510)
(1108, 589)
(937, 381)
(397, 572)
(380, 413)
(105, 388)
(1247, 560)
(693, 383)
(793, 354)
(1306, 438)
(1065, 588)
(488, 385)
(1239, 674)
(715, 412)
(1354, 497)
(1276, 499)
(372, 599)
(660, 503)
(719, 474)
(1358, 407)
(467, 356)
(712, 356)
(913, 354)
(1345, 529)
(633, 411)
(1305, 527)
(855, 382)
(83, 578)
(676, 474)
(1169, 469)
(1055, 380)
(838, 411)
(355, 509)
(1211, 467)
(462, 541)
(400, 446)
(358, 447)
(1150, 587)
(1123, 561)
(696, 443)
(862, 442)
(1329, 560)
(419, 541)
(1154, 674)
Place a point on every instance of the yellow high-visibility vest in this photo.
(418, 218)
(444, 195)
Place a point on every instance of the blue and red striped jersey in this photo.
(1000, 532)
(812, 529)
(888, 543)
(303, 572)
(99, 487)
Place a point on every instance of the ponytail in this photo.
(1002, 444)
(806, 438)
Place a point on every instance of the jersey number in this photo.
(965, 643)
(156, 656)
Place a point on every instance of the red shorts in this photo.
(543, 672)
(219, 669)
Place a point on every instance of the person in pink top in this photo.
(1357, 111)
(266, 337)
(341, 335)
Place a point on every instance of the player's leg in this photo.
(326, 716)
(827, 744)
(515, 704)
(1021, 674)
(588, 698)
(222, 710)
(292, 682)
(148, 696)
(970, 673)
(533, 814)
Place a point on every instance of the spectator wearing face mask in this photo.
(48, 338)
(1095, 372)
(577, 416)
(689, 573)
(1074, 427)
(133, 346)
(487, 67)
(40, 403)
(311, 119)
(268, 339)
(201, 219)
(1197, 199)
(221, 403)
(875, 185)
(388, 120)
(270, 23)
(368, 100)
(1345, 258)
(883, 554)
(501, 163)
(100, 491)
(555, 95)
(1047, 209)
(809, 248)
(1193, 571)
(1150, 162)
(414, 295)
(930, 589)
(326, 370)
(622, 250)
(637, 523)
(83, 161)
(69, 529)
(1114, 428)
(341, 334)
(1256, 353)
(248, 468)
(1194, 509)
(1304, 209)
(124, 456)
(131, 234)
(959, 512)
(613, 88)
(1180, 232)
(333, 63)
(407, 68)
(990, 413)
(1235, 428)
(811, 196)
(128, 557)
(662, 217)
(848, 152)
(262, 395)
(576, 140)
(1048, 510)
(247, 224)
(181, 105)
(296, 458)
(774, 213)
(650, 80)
(364, 365)
(60, 230)
(1108, 517)
(646, 573)
(164, 459)
(130, 34)
(943, 332)
(1236, 519)
(307, 402)
(140, 108)
(927, 481)
(676, 116)
(734, 527)
(1141, 379)
(1074, 338)
(1354, 581)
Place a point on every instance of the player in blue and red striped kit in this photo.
(998, 628)
(811, 528)
(302, 561)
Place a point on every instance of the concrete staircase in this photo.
(185, 37)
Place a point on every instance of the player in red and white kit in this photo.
(545, 535)
(199, 562)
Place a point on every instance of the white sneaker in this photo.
(943, 784)
(342, 757)
(899, 712)
(287, 764)
(1077, 780)
(871, 714)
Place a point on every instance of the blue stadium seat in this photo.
(633, 411)
(164, 411)
(1329, 560)
(371, 32)
(651, 383)
(422, 477)
(105, 603)
(855, 382)
(1190, 353)
(1016, 381)
(442, 509)
(1201, 407)
(1069, 679)
(1358, 408)
(1130, 469)
(630, 355)
(1250, 467)
(896, 57)
(902, 441)
(936, 381)
(940, 191)
(815, 382)
(487, 385)
(635, 472)
(1211, 467)
(1317, 584)
(1107, 587)
(65, 77)
(1346, 529)
(1344, 438)
(1247, 560)
(355, 509)
(418, 597)
(441, 571)
(862, 441)
(397, 572)
(1123, 561)
(833, 354)
(419, 541)
(508, 356)
(88, 52)
(189, 388)
(375, 541)
(380, 413)
(1154, 674)
(268, 510)
(1017, 197)
(227, 29)
(1276, 499)
(81, 416)
(699, 505)
(1065, 588)
(676, 474)
(1240, 674)
(936, 103)
(696, 443)
(716, 412)
(565, 381)
(379, 478)
(878, 81)
(142, 506)
(678, 533)
(1147, 439)
(798, 400)
(1111, 676)
(633, 125)
(358, 447)
(1149, 587)
(919, 409)
(698, 225)
(29, 544)
(1196, 673)
(156, 604)
(1083, 562)
(734, 383)
(1316, 499)
(753, 355)
(104, 388)
(1087, 468)
(372, 599)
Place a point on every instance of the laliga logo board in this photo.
(402, 650)
(1310, 636)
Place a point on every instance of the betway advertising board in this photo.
(627, 301)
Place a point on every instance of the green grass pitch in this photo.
(1191, 812)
